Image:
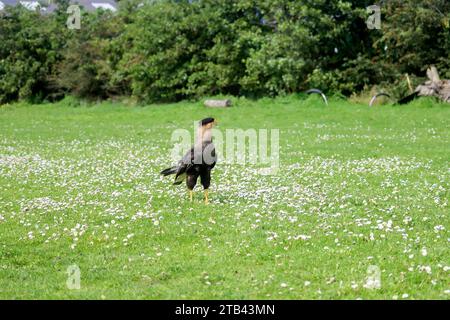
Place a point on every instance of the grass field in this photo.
(357, 187)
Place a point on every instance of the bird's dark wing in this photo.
(209, 155)
(183, 166)
(207, 158)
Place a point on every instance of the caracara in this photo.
(199, 161)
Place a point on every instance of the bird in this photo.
(197, 162)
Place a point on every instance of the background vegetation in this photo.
(172, 50)
(356, 187)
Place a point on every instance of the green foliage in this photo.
(172, 50)
(88, 63)
(30, 47)
(163, 43)
(416, 34)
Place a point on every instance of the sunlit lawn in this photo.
(357, 187)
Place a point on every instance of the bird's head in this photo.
(207, 123)
(205, 129)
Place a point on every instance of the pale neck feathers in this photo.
(204, 135)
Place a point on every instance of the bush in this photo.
(170, 50)
(89, 58)
(30, 48)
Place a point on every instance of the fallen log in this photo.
(218, 103)
(435, 87)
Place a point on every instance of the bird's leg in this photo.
(206, 196)
(191, 194)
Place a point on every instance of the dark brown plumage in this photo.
(197, 162)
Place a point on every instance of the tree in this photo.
(31, 45)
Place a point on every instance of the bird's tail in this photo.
(169, 171)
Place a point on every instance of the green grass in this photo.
(356, 187)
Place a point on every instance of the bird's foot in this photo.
(206, 197)
(191, 195)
